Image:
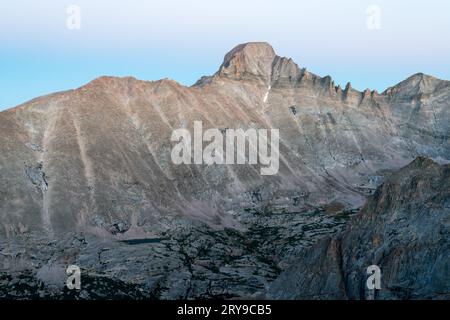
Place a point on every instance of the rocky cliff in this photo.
(404, 229)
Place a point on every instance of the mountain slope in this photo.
(404, 228)
(99, 156)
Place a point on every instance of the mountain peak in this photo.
(417, 84)
(418, 77)
(247, 61)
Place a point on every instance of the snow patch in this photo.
(267, 94)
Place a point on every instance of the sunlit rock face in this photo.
(97, 160)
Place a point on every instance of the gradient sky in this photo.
(184, 40)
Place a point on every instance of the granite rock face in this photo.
(404, 229)
(94, 163)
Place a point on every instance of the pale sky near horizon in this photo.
(184, 40)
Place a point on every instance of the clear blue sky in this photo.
(184, 40)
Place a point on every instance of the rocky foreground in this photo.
(86, 178)
(193, 261)
(404, 228)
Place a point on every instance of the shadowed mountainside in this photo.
(404, 228)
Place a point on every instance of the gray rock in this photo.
(403, 229)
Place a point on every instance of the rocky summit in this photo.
(86, 179)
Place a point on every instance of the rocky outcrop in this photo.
(248, 61)
(404, 229)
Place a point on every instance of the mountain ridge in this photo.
(402, 224)
(245, 50)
